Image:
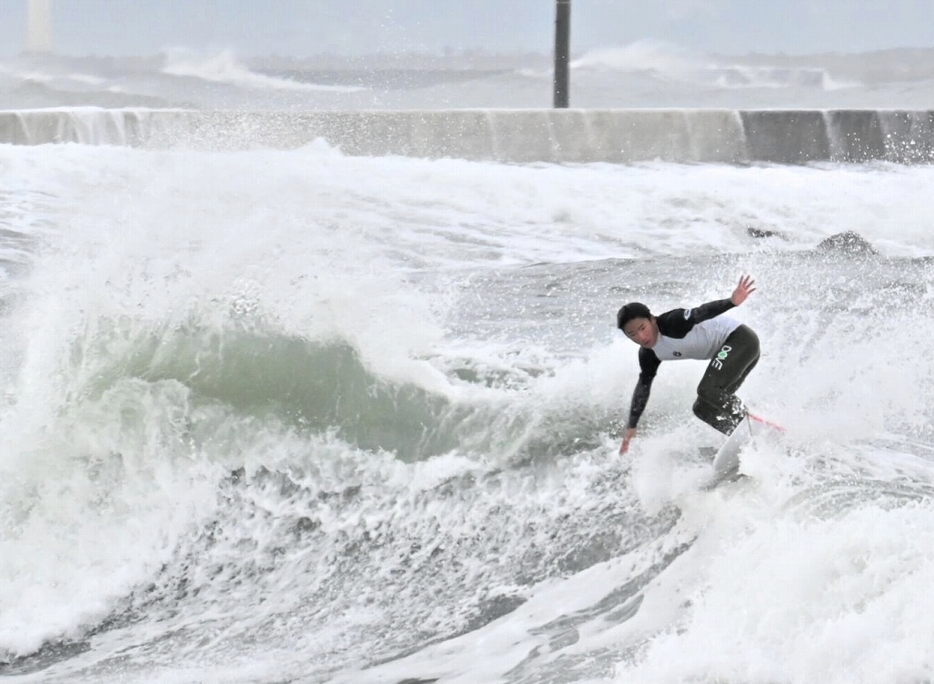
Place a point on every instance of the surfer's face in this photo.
(642, 331)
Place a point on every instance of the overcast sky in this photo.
(306, 27)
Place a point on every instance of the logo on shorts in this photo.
(718, 360)
(687, 314)
(676, 353)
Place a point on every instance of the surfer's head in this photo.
(638, 324)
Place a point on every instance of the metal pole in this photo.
(562, 52)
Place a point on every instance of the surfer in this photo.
(730, 347)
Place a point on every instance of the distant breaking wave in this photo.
(34, 75)
(738, 76)
(224, 68)
(643, 55)
(675, 63)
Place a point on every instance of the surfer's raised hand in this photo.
(627, 436)
(745, 288)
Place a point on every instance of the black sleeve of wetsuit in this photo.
(678, 322)
(648, 367)
(705, 312)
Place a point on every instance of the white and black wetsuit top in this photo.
(696, 333)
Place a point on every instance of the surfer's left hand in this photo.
(745, 288)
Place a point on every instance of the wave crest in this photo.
(224, 67)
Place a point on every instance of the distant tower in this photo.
(39, 26)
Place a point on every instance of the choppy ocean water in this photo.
(645, 74)
(299, 416)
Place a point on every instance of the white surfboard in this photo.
(726, 463)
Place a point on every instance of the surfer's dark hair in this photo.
(630, 311)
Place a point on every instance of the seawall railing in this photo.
(562, 136)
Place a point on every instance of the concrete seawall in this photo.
(618, 136)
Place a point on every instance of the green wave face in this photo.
(315, 386)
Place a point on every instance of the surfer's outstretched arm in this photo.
(679, 322)
(648, 364)
(640, 398)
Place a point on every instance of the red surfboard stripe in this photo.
(765, 422)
